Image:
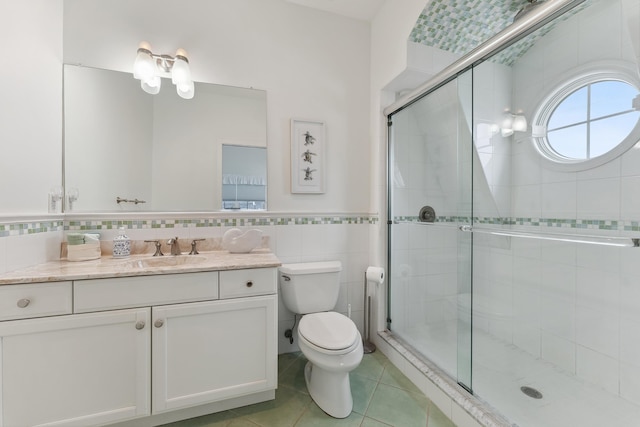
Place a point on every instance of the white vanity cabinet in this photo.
(75, 370)
(142, 348)
(210, 351)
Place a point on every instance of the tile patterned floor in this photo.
(382, 397)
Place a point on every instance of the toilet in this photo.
(329, 340)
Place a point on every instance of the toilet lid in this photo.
(328, 330)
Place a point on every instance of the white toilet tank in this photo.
(310, 287)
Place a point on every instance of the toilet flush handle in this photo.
(286, 278)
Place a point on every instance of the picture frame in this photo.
(308, 159)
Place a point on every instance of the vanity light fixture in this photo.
(149, 66)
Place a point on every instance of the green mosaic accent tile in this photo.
(591, 224)
(461, 26)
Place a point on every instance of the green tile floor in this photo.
(382, 396)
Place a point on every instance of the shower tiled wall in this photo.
(572, 304)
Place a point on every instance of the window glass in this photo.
(611, 97)
(607, 133)
(569, 142)
(571, 110)
(591, 120)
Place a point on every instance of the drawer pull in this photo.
(159, 323)
(249, 284)
(140, 325)
(24, 302)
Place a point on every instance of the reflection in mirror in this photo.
(160, 150)
(244, 177)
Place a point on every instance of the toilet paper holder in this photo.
(376, 275)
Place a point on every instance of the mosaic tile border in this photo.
(33, 227)
(221, 222)
(577, 224)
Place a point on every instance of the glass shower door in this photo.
(430, 198)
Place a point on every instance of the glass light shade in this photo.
(144, 67)
(186, 90)
(180, 73)
(152, 85)
(520, 123)
(507, 123)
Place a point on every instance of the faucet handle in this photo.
(158, 247)
(194, 249)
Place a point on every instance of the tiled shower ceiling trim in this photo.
(459, 26)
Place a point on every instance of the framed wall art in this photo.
(308, 163)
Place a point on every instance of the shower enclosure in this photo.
(512, 259)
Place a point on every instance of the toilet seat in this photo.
(329, 332)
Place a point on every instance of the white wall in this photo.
(312, 64)
(31, 107)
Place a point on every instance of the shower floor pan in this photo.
(501, 369)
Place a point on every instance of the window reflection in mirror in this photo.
(244, 177)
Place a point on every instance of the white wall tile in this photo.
(629, 297)
(560, 352)
(630, 198)
(598, 330)
(630, 382)
(559, 200)
(599, 198)
(630, 341)
(3, 256)
(597, 369)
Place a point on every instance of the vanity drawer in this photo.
(35, 300)
(242, 283)
(127, 292)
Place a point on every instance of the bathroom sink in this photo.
(165, 261)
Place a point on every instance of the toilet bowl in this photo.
(329, 340)
(333, 347)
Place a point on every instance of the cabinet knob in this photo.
(249, 284)
(24, 302)
(140, 325)
(159, 323)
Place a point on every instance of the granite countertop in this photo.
(140, 265)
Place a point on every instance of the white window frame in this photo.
(548, 105)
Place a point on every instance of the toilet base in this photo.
(330, 390)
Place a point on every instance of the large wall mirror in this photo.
(126, 150)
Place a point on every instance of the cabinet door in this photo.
(210, 351)
(76, 370)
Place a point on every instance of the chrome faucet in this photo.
(175, 247)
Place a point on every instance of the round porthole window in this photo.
(588, 121)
